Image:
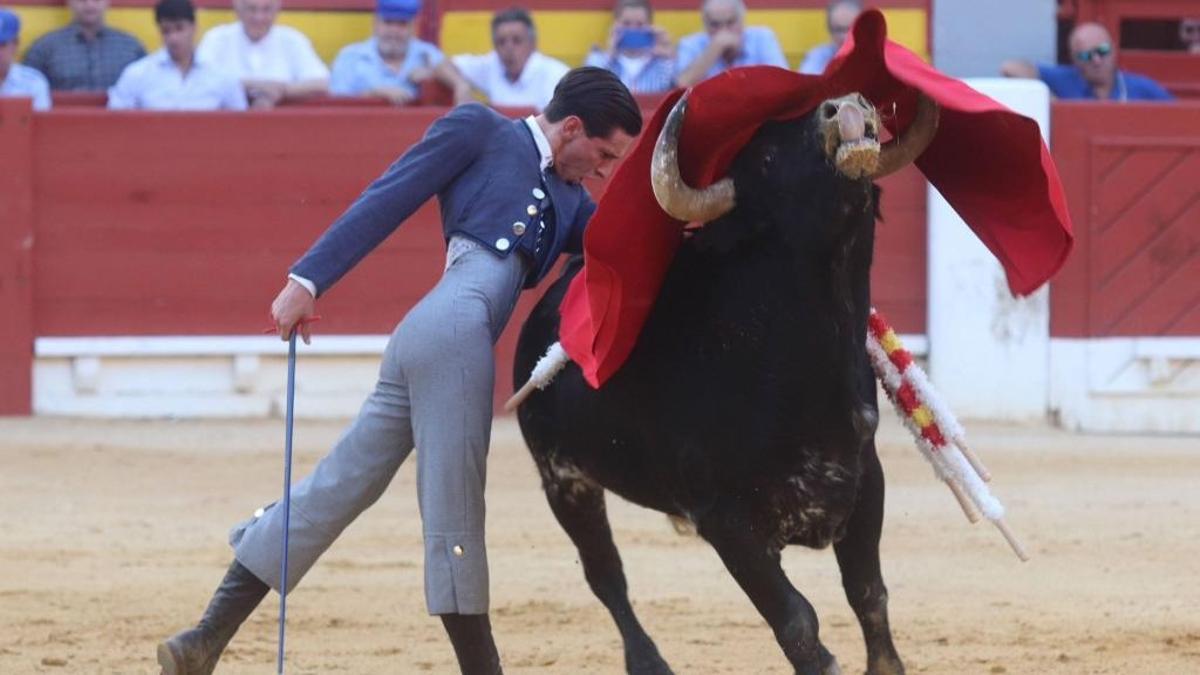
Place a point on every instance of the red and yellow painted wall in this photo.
(566, 28)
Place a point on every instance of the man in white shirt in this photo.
(16, 79)
(172, 78)
(513, 74)
(274, 63)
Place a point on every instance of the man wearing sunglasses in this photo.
(1093, 73)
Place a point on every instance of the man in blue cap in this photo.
(16, 79)
(392, 64)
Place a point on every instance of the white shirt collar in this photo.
(163, 58)
(543, 143)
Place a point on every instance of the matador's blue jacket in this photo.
(485, 170)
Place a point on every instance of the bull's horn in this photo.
(676, 197)
(904, 150)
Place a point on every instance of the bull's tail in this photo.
(543, 374)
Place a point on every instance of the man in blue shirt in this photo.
(839, 19)
(172, 78)
(392, 64)
(725, 43)
(1094, 74)
(638, 52)
(16, 79)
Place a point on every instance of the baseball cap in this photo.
(398, 10)
(10, 26)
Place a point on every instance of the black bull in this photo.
(748, 405)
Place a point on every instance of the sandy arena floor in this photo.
(113, 536)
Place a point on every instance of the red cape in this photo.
(987, 161)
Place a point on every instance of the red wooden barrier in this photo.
(16, 256)
(1130, 174)
(185, 223)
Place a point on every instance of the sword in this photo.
(289, 418)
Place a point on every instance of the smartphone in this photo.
(636, 38)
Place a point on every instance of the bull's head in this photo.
(848, 129)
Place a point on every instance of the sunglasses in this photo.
(1094, 54)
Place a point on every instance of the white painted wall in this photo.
(229, 376)
(216, 376)
(1126, 384)
(988, 351)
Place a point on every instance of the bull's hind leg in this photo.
(579, 506)
(755, 566)
(858, 558)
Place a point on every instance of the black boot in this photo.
(471, 635)
(195, 651)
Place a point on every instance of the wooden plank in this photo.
(1169, 302)
(1136, 218)
(898, 276)
(16, 256)
(1070, 147)
(1129, 181)
(1158, 208)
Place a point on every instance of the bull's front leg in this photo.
(755, 566)
(858, 559)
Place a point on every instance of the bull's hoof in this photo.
(829, 662)
(885, 667)
(188, 653)
(648, 662)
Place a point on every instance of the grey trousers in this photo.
(435, 392)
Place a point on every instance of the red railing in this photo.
(184, 224)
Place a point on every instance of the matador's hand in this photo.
(292, 307)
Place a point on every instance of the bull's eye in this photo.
(829, 110)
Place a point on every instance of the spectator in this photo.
(392, 64)
(724, 44)
(274, 63)
(514, 73)
(638, 52)
(172, 78)
(16, 79)
(1189, 35)
(86, 55)
(839, 18)
(1094, 74)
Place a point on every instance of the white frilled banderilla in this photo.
(939, 436)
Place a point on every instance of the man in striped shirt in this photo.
(86, 55)
(639, 52)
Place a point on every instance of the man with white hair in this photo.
(275, 63)
(725, 43)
